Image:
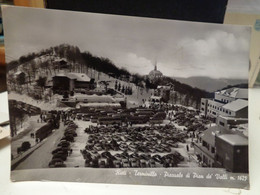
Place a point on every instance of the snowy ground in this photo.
(133, 100)
(50, 105)
(76, 159)
(189, 157)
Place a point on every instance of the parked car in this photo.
(57, 162)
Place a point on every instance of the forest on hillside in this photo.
(78, 61)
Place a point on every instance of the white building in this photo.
(230, 102)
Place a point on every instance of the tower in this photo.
(155, 74)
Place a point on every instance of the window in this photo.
(221, 123)
(212, 150)
(205, 144)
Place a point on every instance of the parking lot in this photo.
(142, 145)
(112, 139)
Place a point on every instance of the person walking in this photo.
(187, 147)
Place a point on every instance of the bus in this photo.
(109, 121)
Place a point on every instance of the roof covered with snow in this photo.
(163, 87)
(209, 135)
(156, 97)
(233, 118)
(238, 93)
(234, 139)
(100, 105)
(241, 128)
(60, 59)
(76, 76)
(18, 72)
(236, 105)
(79, 76)
(94, 98)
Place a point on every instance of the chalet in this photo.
(72, 81)
(61, 64)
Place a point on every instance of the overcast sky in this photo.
(181, 49)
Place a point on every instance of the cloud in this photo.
(180, 48)
(225, 53)
(134, 63)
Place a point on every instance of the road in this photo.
(41, 157)
(31, 126)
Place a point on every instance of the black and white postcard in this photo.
(126, 100)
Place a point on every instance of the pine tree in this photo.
(119, 87)
(130, 91)
(116, 85)
(127, 90)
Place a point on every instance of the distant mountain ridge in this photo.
(210, 84)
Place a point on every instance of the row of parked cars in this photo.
(142, 142)
(121, 116)
(190, 119)
(63, 148)
(130, 160)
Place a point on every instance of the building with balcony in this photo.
(205, 148)
(71, 81)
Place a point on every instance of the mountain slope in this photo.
(50, 61)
